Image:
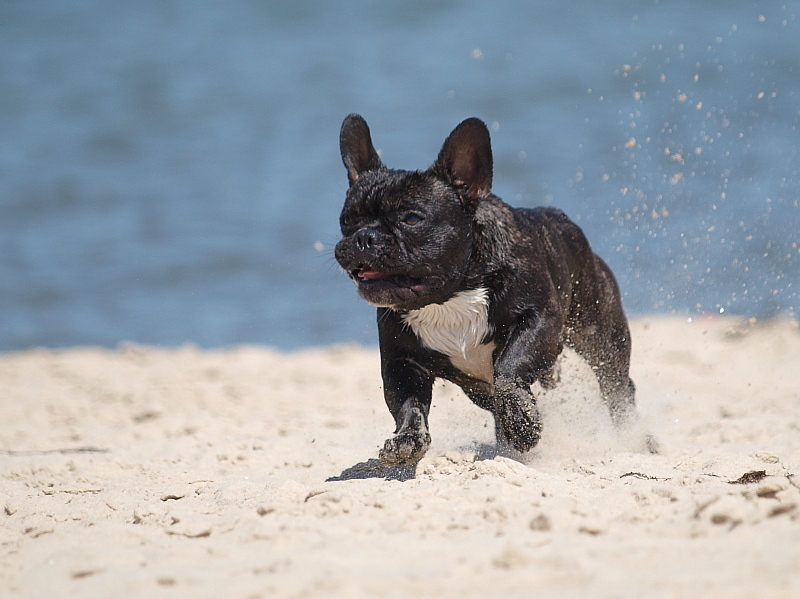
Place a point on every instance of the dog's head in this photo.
(407, 235)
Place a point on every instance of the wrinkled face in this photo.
(406, 239)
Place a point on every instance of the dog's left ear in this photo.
(465, 160)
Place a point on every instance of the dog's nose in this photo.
(365, 239)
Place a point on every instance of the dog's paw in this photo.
(518, 420)
(405, 448)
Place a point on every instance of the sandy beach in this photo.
(245, 472)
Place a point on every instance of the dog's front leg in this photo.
(407, 388)
(530, 353)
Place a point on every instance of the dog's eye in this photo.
(412, 218)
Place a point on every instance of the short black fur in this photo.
(412, 239)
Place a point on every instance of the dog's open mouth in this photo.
(366, 277)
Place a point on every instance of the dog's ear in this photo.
(465, 160)
(355, 144)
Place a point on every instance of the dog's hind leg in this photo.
(600, 334)
(607, 349)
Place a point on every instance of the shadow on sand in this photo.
(376, 469)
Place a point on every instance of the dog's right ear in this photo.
(355, 144)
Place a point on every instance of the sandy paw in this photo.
(520, 424)
(405, 448)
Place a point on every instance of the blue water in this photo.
(169, 171)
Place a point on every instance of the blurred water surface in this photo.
(169, 171)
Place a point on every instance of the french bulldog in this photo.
(474, 291)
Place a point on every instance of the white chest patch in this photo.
(457, 329)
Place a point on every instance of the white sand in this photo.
(184, 473)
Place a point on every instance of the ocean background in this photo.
(170, 171)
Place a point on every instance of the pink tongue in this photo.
(370, 274)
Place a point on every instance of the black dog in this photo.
(472, 290)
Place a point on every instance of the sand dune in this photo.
(148, 472)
